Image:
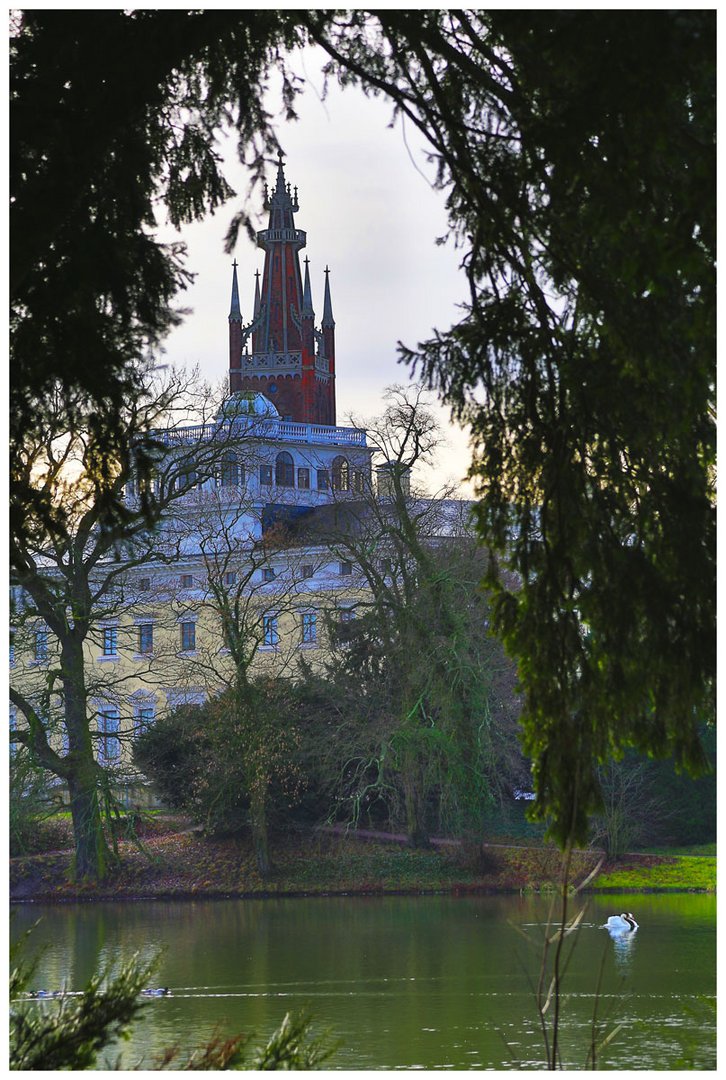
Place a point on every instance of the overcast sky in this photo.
(372, 215)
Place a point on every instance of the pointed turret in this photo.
(235, 326)
(328, 327)
(256, 312)
(281, 297)
(234, 308)
(328, 320)
(307, 308)
(284, 364)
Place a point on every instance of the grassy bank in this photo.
(178, 864)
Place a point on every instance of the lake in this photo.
(426, 982)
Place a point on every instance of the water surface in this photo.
(403, 982)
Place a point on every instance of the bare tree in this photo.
(75, 572)
(257, 610)
(419, 639)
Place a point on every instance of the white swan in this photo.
(621, 924)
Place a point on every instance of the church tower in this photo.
(280, 353)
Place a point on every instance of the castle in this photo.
(221, 570)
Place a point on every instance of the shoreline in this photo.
(186, 866)
(186, 897)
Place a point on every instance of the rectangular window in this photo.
(187, 581)
(307, 570)
(266, 474)
(145, 716)
(269, 630)
(12, 647)
(230, 578)
(346, 569)
(268, 574)
(109, 749)
(185, 481)
(188, 636)
(41, 644)
(359, 481)
(303, 478)
(346, 615)
(144, 584)
(323, 479)
(309, 627)
(110, 641)
(229, 472)
(146, 637)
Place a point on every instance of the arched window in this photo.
(229, 473)
(341, 474)
(284, 470)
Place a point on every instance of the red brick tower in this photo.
(283, 363)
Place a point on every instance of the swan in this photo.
(621, 924)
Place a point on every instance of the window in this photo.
(110, 641)
(229, 476)
(144, 584)
(345, 624)
(341, 480)
(266, 474)
(284, 470)
(303, 478)
(385, 566)
(188, 636)
(12, 646)
(307, 570)
(269, 630)
(187, 581)
(346, 569)
(309, 627)
(323, 479)
(41, 644)
(268, 574)
(109, 749)
(230, 578)
(145, 716)
(185, 481)
(146, 637)
(359, 481)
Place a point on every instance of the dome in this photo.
(244, 403)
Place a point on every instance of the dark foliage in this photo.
(577, 152)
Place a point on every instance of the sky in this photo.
(371, 213)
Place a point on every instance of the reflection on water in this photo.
(424, 982)
(623, 948)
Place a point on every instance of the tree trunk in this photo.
(91, 852)
(414, 790)
(92, 856)
(258, 814)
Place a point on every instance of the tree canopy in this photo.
(576, 149)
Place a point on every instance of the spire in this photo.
(307, 304)
(328, 320)
(257, 294)
(235, 313)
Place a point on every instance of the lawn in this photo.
(684, 872)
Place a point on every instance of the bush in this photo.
(30, 805)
